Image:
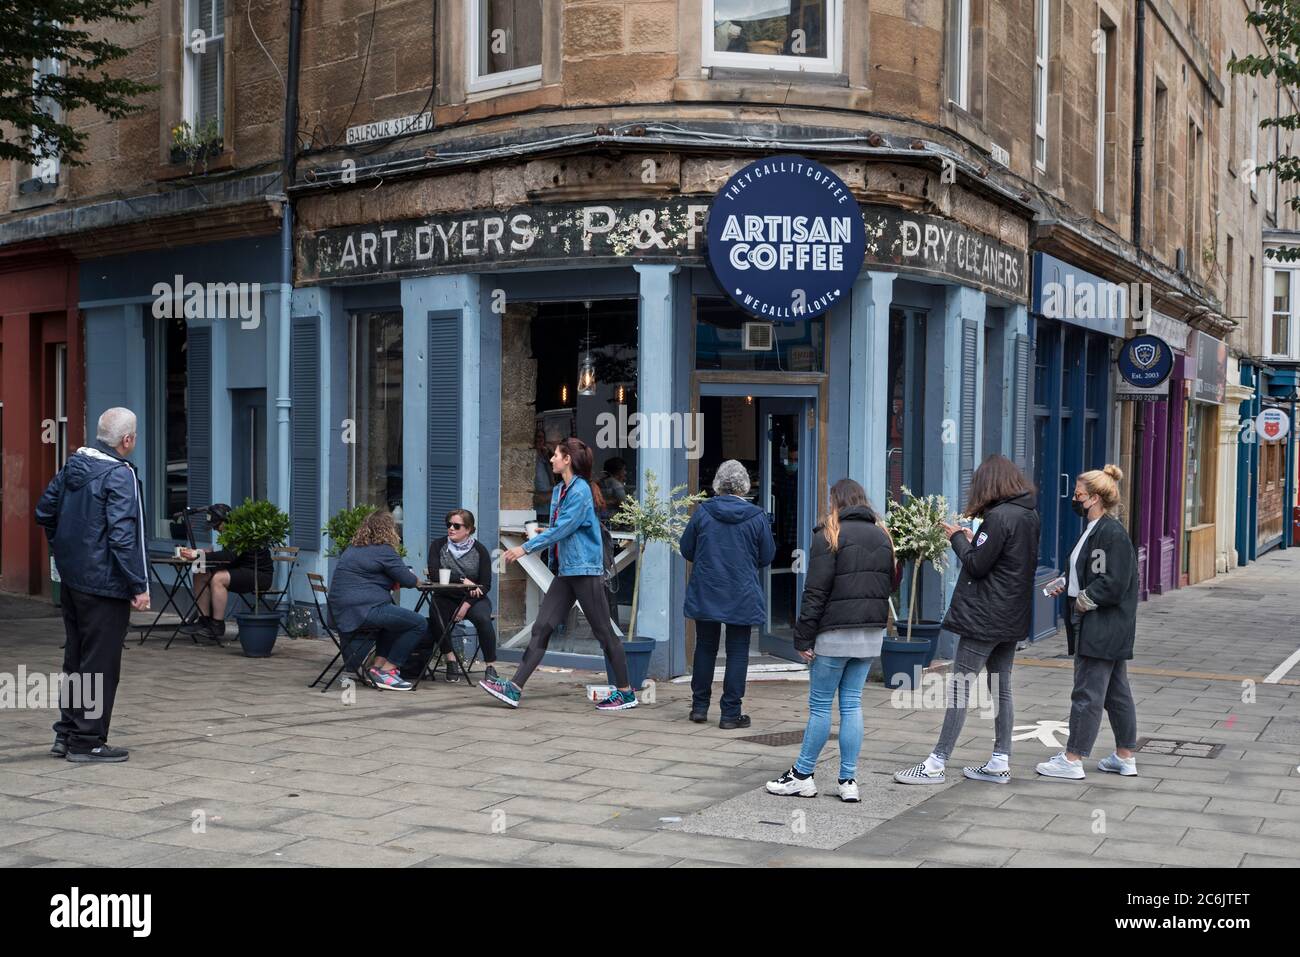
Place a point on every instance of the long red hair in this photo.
(581, 460)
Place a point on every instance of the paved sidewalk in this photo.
(235, 762)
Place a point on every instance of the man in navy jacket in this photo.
(94, 521)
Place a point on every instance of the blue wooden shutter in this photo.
(1020, 400)
(966, 436)
(198, 422)
(304, 424)
(444, 419)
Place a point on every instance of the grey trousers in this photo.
(1100, 683)
(589, 592)
(974, 655)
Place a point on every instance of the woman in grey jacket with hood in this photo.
(727, 540)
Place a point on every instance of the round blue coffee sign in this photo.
(786, 238)
(1146, 361)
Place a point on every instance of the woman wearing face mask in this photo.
(1100, 624)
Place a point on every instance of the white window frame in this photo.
(1290, 348)
(962, 66)
(768, 61)
(476, 82)
(1042, 51)
(1254, 144)
(60, 405)
(1099, 200)
(190, 70)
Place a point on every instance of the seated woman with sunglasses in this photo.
(469, 562)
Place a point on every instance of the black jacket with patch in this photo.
(994, 597)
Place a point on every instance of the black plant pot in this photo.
(257, 634)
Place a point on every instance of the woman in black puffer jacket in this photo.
(842, 618)
(990, 611)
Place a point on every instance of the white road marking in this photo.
(1278, 673)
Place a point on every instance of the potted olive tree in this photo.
(651, 520)
(253, 528)
(916, 526)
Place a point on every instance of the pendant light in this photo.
(587, 368)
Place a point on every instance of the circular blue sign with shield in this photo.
(1146, 361)
(785, 238)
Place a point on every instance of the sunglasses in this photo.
(456, 525)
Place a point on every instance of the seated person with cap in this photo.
(227, 572)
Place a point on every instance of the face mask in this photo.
(1079, 508)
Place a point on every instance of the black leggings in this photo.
(589, 592)
(479, 615)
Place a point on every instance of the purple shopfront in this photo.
(1160, 428)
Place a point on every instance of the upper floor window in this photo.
(1041, 48)
(46, 168)
(203, 88)
(1283, 321)
(1104, 45)
(959, 50)
(504, 43)
(801, 35)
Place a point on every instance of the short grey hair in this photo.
(115, 425)
(732, 478)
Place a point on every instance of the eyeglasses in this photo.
(455, 525)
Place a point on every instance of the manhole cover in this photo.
(1234, 593)
(1183, 749)
(778, 739)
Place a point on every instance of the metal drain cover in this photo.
(778, 739)
(1183, 749)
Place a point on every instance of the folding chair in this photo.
(318, 588)
(281, 555)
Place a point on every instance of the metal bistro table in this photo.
(540, 577)
(428, 591)
(184, 570)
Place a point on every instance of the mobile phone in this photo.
(1054, 584)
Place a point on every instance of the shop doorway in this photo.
(772, 430)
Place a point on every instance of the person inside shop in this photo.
(468, 561)
(361, 597)
(543, 477)
(1101, 589)
(227, 573)
(613, 486)
(990, 611)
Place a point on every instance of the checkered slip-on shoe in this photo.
(982, 773)
(919, 775)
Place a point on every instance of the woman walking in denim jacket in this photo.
(576, 537)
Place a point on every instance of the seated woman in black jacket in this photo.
(468, 561)
(227, 573)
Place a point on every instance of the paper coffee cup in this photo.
(444, 576)
(530, 528)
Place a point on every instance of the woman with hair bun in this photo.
(1101, 589)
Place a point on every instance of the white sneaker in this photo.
(919, 775)
(1128, 767)
(982, 773)
(788, 785)
(849, 791)
(1061, 767)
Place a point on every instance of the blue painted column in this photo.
(960, 303)
(420, 297)
(869, 383)
(655, 365)
(1015, 323)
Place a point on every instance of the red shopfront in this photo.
(42, 401)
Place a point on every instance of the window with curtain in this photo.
(1280, 320)
(773, 34)
(958, 52)
(504, 42)
(1042, 44)
(46, 168)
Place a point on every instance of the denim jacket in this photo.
(576, 531)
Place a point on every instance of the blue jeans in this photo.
(829, 675)
(400, 631)
(707, 635)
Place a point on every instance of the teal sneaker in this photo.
(506, 691)
(617, 701)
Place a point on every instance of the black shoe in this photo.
(731, 724)
(216, 629)
(100, 755)
(453, 672)
(199, 627)
(60, 748)
(699, 717)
